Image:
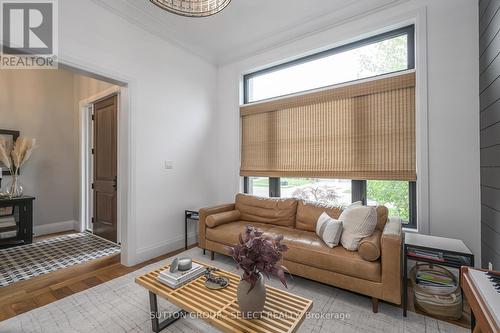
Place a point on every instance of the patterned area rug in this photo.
(24, 262)
(121, 305)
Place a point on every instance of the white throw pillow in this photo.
(358, 222)
(329, 230)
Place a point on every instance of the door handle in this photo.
(115, 183)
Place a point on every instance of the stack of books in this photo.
(425, 254)
(434, 280)
(178, 278)
(8, 227)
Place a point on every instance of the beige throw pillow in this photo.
(358, 222)
(329, 230)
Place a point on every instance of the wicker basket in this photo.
(442, 302)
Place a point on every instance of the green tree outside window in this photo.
(392, 194)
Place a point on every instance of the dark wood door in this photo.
(105, 166)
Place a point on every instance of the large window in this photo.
(382, 54)
(398, 196)
(386, 53)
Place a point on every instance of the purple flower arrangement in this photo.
(257, 253)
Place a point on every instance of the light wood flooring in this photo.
(26, 295)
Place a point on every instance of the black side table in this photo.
(23, 212)
(454, 252)
(189, 215)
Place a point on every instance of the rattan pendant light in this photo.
(192, 8)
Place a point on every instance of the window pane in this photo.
(378, 58)
(258, 186)
(329, 191)
(392, 194)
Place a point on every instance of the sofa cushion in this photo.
(329, 230)
(228, 233)
(358, 222)
(307, 248)
(222, 218)
(275, 211)
(369, 247)
(309, 212)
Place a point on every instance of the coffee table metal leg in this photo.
(157, 326)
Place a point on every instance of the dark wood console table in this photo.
(23, 213)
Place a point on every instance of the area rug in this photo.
(24, 262)
(121, 305)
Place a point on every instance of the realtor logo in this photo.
(29, 34)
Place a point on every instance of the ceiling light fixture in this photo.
(192, 8)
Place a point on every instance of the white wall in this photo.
(171, 104)
(447, 30)
(173, 115)
(39, 103)
(86, 87)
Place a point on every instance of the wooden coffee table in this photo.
(283, 312)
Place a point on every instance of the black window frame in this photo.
(407, 30)
(359, 187)
(358, 193)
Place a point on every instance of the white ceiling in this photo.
(244, 27)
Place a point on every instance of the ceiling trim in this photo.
(172, 40)
(234, 57)
(279, 38)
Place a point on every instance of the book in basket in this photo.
(178, 278)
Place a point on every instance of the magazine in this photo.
(178, 278)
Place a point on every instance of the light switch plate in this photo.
(169, 165)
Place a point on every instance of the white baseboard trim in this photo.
(161, 248)
(77, 226)
(51, 228)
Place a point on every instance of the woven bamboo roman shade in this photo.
(354, 131)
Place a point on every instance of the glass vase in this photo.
(14, 188)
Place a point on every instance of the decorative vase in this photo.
(251, 303)
(14, 188)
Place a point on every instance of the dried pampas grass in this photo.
(22, 151)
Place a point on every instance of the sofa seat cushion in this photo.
(307, 248)
(275, 211)
(228, 233)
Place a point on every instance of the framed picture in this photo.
(10, 136)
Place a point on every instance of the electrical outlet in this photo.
(490, 266)
(169, 165)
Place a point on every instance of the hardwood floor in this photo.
(27, 295)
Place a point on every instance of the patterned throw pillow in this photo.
(329, 230)
(359, 222)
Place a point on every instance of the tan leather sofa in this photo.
(374, 270)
